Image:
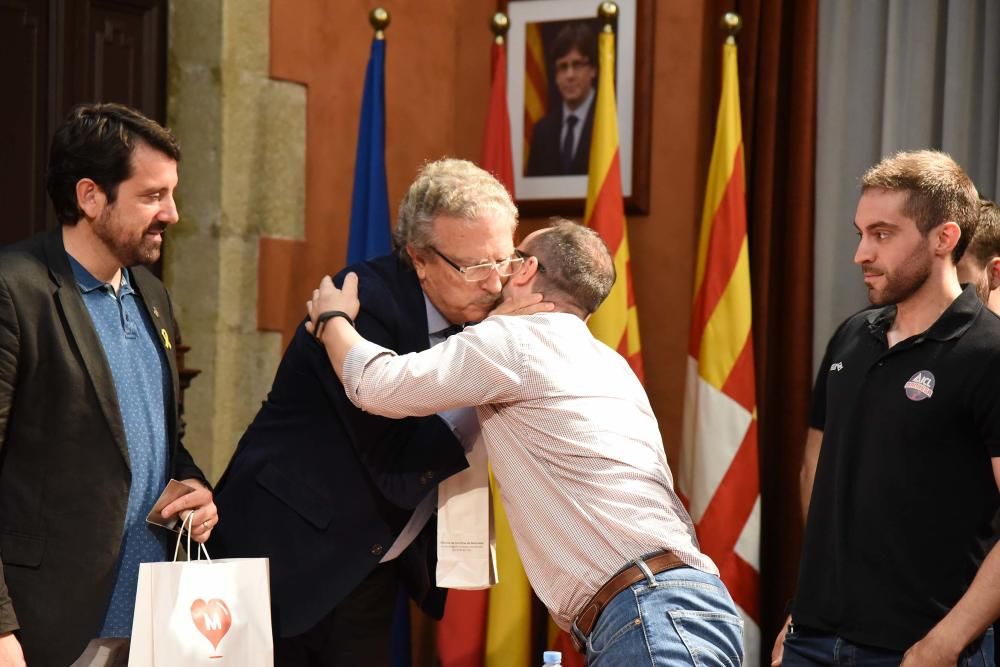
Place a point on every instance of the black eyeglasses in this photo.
(478, 272)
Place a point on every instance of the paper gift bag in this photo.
(203, 612)
(466, 544)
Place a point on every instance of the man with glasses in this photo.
(575, 450)
(341, 501)
(560, 141)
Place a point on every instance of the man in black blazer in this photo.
(88, 396)
(560, 141)
(342, 501)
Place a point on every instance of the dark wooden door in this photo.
(55, 54)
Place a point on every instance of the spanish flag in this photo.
(718, 473)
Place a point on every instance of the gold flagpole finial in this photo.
(499, 24)
(731, 23)
(379, 18)
(608, 13)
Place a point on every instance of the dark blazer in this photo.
(322, 488)
(64, 464)
(544, 158)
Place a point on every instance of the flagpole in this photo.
(608, 13)
(379, 19)
(732, 23)
(499, 24)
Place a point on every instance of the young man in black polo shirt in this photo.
(899, 563)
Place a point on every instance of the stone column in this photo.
(242, 176)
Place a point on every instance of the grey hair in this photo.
(453, 188)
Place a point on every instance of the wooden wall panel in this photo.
(23, 116)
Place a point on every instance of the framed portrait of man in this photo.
(552, 79)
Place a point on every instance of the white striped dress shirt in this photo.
(574, 444)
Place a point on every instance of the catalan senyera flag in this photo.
(492, 628)
(536, 84)
(718, 473)
(616, 322)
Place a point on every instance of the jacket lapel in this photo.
(81, 330)
(414, 338)
(153, 295)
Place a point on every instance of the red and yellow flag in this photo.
(718, 473)
(492, 628)
(616, 322)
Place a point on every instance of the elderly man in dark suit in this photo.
(89, 428)
(560, 141)
(342, 501)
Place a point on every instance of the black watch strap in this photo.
(328, 315)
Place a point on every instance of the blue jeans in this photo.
(810, 648)
(681, 617)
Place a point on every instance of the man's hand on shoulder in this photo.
(10, 651)
(201, 503)
(526, 305)
(327, 297)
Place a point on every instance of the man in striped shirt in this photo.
(575, 448)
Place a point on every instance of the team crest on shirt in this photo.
(920, 386)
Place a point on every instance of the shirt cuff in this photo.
(8, 620)
(358, 357)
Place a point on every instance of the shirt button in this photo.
(377, 549)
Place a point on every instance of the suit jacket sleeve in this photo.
(405, 457)
(183, 464)
(9, 332)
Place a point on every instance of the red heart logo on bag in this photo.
(212, 619)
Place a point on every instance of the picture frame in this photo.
(554, 180)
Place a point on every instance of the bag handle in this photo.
(186, 526)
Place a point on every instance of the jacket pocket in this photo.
(21, 549)
(313, 506)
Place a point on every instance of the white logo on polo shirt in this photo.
(920, 386)
(839, 366)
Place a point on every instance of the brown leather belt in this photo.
(584, 623)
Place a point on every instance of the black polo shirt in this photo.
(904, 494)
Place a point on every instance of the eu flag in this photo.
(369, 235)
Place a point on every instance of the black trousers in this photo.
(357, 631)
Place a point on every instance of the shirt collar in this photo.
(435, 320)
(953, 322)
(581, 111)
(88, 283)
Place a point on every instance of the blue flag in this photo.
(369, 235)
(369, 238)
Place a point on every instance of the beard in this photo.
(902, 283)
(128, 245)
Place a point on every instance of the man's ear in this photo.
(993, 272)
(90, 198)
(526, 273)
(946, 235)
(418, 260)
